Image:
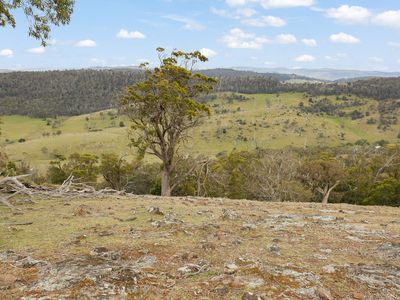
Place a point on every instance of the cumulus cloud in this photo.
(390, 18)
(187, 23)
(246, 12)
(349, 14)
(208, 52)
(305, 58)
(265, 21)
(344, 38)
(286, 3)
(38, 50)
(86, 44)
(220, 12)
(236, 2)
(6, 53)
(286, 39)
(238, 39)
(309, 42)
(133, 35)
(272, 3)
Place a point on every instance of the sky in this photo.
(346, 34)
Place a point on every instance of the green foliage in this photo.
(82, 166)
(386, 192)
(116, 170)
(41, 14)
(57, 172)
(164, 106)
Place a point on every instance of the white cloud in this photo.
(344, 38)
(38, 50)
(272, 3)
(238, 39)
(336, 57)
(133, 35)
(246, 12)
(265, 21)
(349, 14)
(286, 39)
(86, 44)
(305, 58)
(220, 12)
(376, 59)
(309, 42)
(328, 57)
(6, 53)
(286, 3)
(208, 52)
(187, 23)
(236, 2)
(390, 18)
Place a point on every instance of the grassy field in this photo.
(264, 120)
(197, 248)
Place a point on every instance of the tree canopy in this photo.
(164, 106)
(40, 14)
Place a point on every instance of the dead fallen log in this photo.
(69, 189)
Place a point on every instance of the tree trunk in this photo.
(165, 182)
(328, 193)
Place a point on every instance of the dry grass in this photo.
(282, 257)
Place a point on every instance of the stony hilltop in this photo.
(144, 247)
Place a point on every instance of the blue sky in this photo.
(345, 34)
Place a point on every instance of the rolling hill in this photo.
(238, 122)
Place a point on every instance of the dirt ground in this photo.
(147, 247)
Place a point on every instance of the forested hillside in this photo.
(75, 92)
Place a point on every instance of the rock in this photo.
(189, 269)
(144, 262)
(27, 262)
(324, 218)
(193, 269)
(249, 226)
(230, 268)
(105, 253)
(105, 233)
(155, 211)
(250, 296)
(251, 282)
(229, 214)
(324, 294)
(274, 248)
(329, 269)
(160, 223)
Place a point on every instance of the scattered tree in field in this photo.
(116, 170)
(40, 14)
(322, 174)
(164, 106)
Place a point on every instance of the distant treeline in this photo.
(74, 92)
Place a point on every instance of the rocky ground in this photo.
(195, 248)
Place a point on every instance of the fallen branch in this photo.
(12, 186)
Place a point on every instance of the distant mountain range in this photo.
(323, 74)
(282, 74)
